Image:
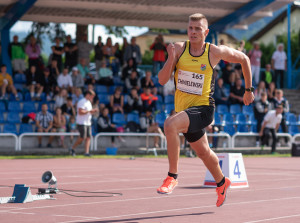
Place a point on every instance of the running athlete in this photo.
(193, 62)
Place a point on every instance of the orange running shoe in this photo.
(221, 192)
(168, 185)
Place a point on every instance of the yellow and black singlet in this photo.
(194, 81)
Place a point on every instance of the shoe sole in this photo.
(160, 192)
(225, 195)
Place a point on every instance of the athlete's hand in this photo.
(248, 97)
(171, 51)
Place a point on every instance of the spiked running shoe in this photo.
(221, 192)
(168, 185)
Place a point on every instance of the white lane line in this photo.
(181, 209)
(271, 219)
(148, 198)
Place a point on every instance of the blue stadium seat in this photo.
(242, 128)
(253, 128)
(159, 107)
(169, 108)
(29, 106)
(13, 117)
(118, 119)
(27, 96)
(2, 120)
(293, 129)
(229, 129)
(159, 99)
(218, 120)
(13, 98)
(134, 117)
(101, 89)
(14, 106)
(10, 128)
(252, 120)
(235, 109)
(2, 106)
(103, 98)
(241, 119)
(160, 119)
(25, 128)
(155, 82)
(118, 81)
(20, 78)
(111, 89)
(291, 119)
(169, 99)
(222, 109)
(228, 119)
(247, 109)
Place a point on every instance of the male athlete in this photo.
(193, 62)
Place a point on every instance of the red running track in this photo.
(273, 195)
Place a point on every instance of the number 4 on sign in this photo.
(236, 170)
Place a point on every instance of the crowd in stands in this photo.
(128, 98)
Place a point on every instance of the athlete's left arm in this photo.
(225, 53)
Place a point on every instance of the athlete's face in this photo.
(197, 30)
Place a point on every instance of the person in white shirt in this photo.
(83, 120)
(279, 65)
(270, 125)
(64, 80)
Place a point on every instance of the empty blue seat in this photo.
(103, 98)
(293, 129)
(160, 119)
(29, 106)
(235, 109)
(159, 107)
(155, 82)
(25, 128)
(229, 129)
(101, 89)
(218, 120)
(169, 99)
(2, 106)
(241, 119)
(228, 119)
(118, 119)
(253, 128)
(13, 117)
(27, 96)
(133, 117)
(12, 97)
(14, 106)
(159, 99)
(291, 119)
(252, 120)
(222, 109)
(118, 81)
(2, 120)
(10, 128)
(247, 109)
(20, 78)
(169, 108)
(242, 128)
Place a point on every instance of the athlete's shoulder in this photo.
(179, 48)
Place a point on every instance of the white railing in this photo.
(12, 135)
(221, 134)
(50, 134)
(252, 134)
(295, 136)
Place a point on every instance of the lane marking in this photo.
(271, 219)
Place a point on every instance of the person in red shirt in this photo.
(149, 100)
(159, 56)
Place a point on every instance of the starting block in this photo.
(232, 166)
(22, 194)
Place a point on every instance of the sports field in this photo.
(273, 194)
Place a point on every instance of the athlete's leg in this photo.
(208, 157)
(173, 125)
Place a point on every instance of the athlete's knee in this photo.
(169, 126)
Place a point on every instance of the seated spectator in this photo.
(260, 88)
(220, 95)
(49, 83)
(105, 75)
(72, 127)
(117, 101)
(133, 81)
(148, 82)
(85, 72)
(267, 75)
(134, 102)
(149, 125)
(57, 52)
(169, 87)
(17, 55)
(33, 82)
(127, 70)
(271, 91)
(77, 96)
(68, 110)
(44, 123)
(64, 80)
(149, 100)
(237, 92)
(77, 79)
(61, 98)
(91, 87)
(59, 124)
(7, 84)
(53, 68)
(97, 107)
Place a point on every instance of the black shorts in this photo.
(200, 117)
(85, 131)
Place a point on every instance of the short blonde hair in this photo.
(198, 17)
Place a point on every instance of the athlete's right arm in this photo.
(174, 50)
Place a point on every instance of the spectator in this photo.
(64, 80)
(149, 125)
(147, 82)
(134, 102)
(226, 72)
(57, 52)
(133, 81)
(68, 110)
(105, 75)
(77, 96)
(109, 53)
(149, 100)
(61, 98)
(17, 55)
(159, 56)
(133, 51)
(6, 83)
(84, 49)
(59, 124)
(255, 57)
(77, 79)
(91, 87)
(72, 127)
(128, 69)
(125, 44)
(83, 120)
(237, 92)
(241, 46)
(117, 101)
(260, 88)
(53, 68)
(98, 53)
(33, 82)
(49, 83)
(220, 95)
(279, 65)
(271, 91)
(267, 75)
(33, 51)
(270, 125)
(169, 87)
(44, 123)
(85, 72)
(71, 53)
(119, 57)
(96, 105)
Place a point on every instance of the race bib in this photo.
(190, 82)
